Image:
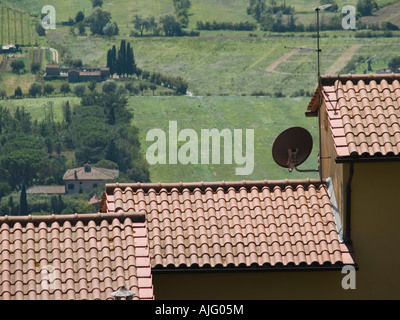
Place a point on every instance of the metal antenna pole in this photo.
(319, 96)
(318, 47)
(318, 9)
(319, 89)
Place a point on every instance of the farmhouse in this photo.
(53, 69)
(77, 75)
(54, 72)
(9, 48)
(89, 76)
(73, 75)
(225, 240)
(86, 178)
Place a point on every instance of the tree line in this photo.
(173, 25)
(168, 24)
(281, 17)
(236, 26)
(98, 21)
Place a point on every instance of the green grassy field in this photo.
(11, 81)
(16, 27)
(225, 69)
(39, 107)
(266, 116)
(228, 65)
(206, 10)
(221, 62)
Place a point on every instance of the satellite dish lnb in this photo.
(292, 147)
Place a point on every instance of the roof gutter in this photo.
(366, 159)
(173, 270)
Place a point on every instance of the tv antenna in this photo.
(318, 50)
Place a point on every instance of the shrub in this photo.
(3, 93)
(80, 16)
(97, 3)
(35, 89)
(237, 26)
(79, 89)
(109, 86)
(48, 88)
(18, 92)
(278, 94)
(108, 164)
(65, 88)
(67, 210)
(35, 67)
(17, 66)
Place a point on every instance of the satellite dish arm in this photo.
(292, 160)
(306, 170)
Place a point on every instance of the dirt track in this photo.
(338, 65)
(272, 66)
(341, 62)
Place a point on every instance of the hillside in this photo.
(389, 13)
(239, 79)
(266, 116)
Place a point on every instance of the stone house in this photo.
(86, 178)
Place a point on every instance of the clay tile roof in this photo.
(46, 190)
(234, 224)
(53, 66)
(363, 113)
(89, 73)
(94, 174)
(77, 257)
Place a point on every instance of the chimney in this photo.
(87, 167)
(123, 292)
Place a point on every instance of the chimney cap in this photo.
(123, 292)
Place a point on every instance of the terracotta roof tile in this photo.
(93, 174)
(81, 256)
(233, 224)
(363, 113)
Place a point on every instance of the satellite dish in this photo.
(292, 147)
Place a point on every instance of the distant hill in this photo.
(390, 13)
(123, 11)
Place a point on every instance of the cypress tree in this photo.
(118, 65)
(23, 204)
(67, 113)
(130, 60)
(112, 151)
(54, 204)
(113, 59)
(121, 61)
(110, 61)
(61, 205)
(11, 204)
